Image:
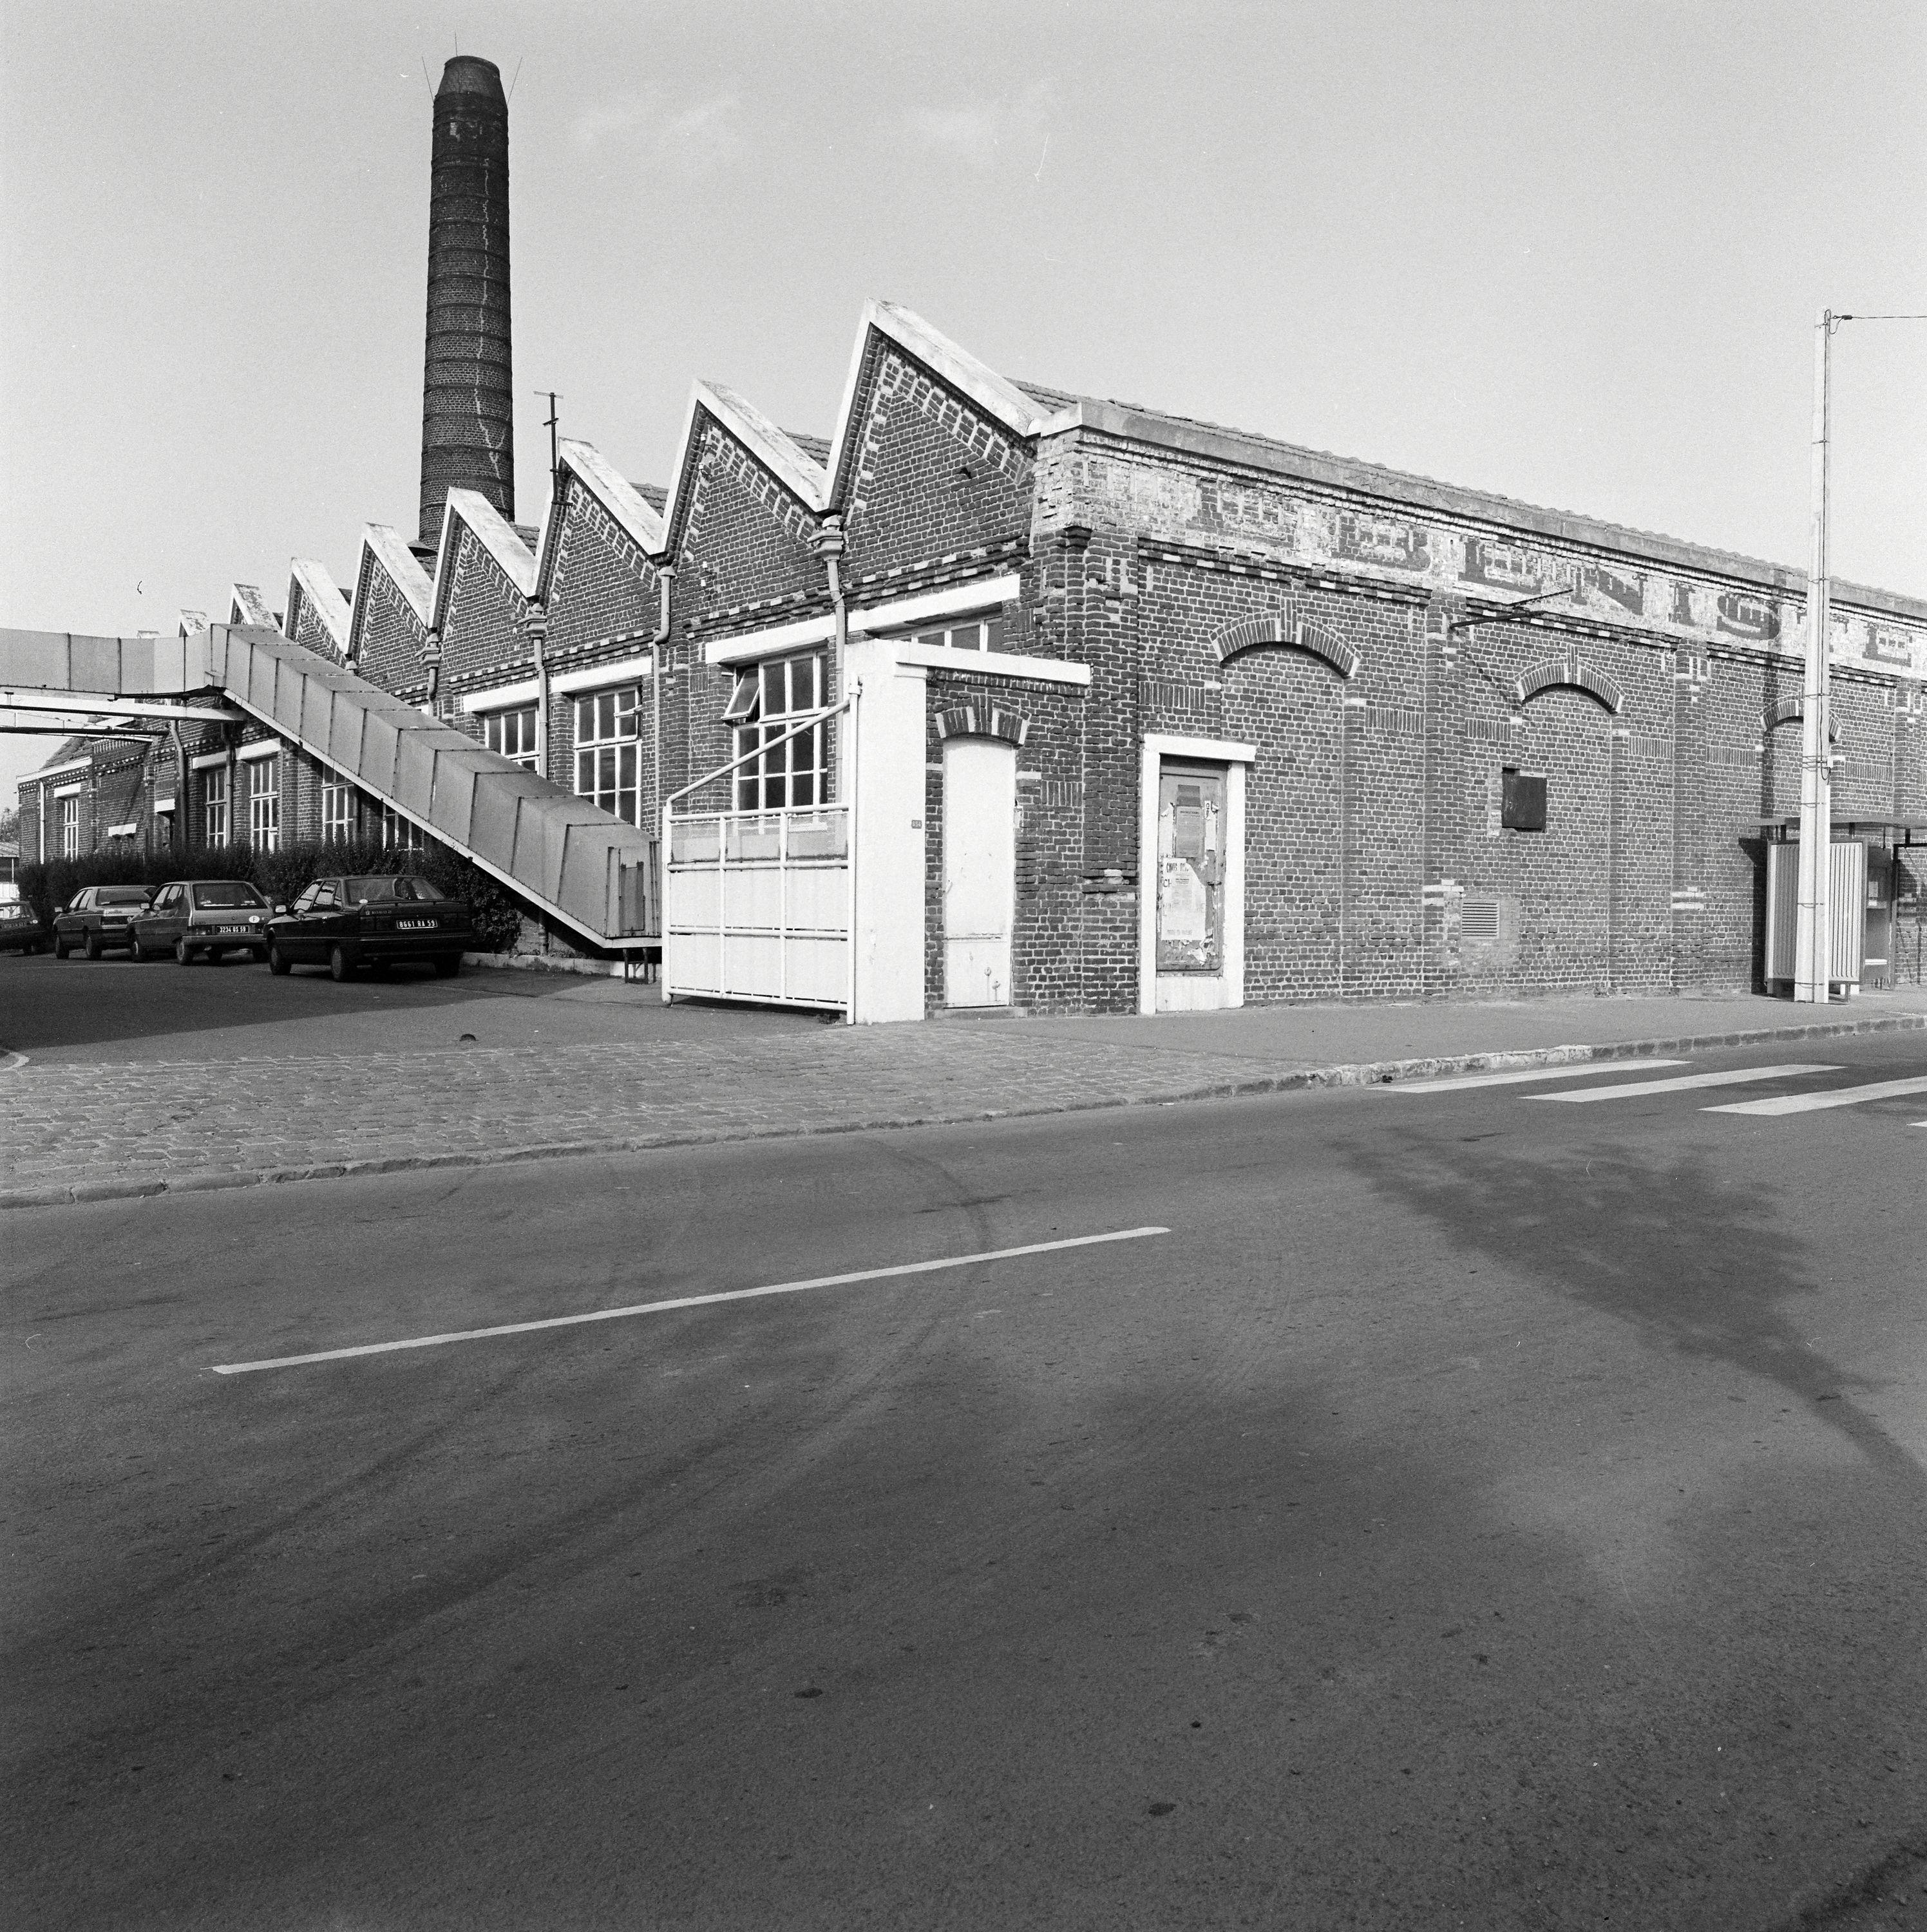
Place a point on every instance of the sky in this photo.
(1571, 252)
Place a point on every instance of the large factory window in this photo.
(341, 813)
(768, 700)
(513, 734)
(264, 803)
(607, 753)
(213, 805)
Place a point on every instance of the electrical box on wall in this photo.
(1522, 805)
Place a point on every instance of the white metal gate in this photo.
(758, 906)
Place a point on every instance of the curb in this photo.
(1363, 1073)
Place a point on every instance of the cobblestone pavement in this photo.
(103, 1130)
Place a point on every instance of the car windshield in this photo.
(228, 893)
(108, 895)
(364, 891)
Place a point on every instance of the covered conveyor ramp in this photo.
(589, 871)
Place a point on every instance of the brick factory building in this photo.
(1148, 714)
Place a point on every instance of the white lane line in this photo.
(1733, 1077)
(1515, 1076)
(1834, 1097)
(685, 1301)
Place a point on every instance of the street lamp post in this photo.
(1812, 932)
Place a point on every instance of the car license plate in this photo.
(232, 928)
(416, 924)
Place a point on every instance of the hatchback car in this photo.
(194, 917)
(374, 922)
(20, 927)
(97, 919)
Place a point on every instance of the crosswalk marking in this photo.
(1733, 1077)
(1834, 1097)
(1455, 1083)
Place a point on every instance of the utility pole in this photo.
(1813, 931)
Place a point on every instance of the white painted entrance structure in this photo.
(749, 916)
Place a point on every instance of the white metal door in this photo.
(979, 869)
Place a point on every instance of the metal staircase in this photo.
(589, 871)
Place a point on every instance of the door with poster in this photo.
(1190, 868)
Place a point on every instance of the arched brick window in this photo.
(983, 719)
(1287, 628)
(1570, 672)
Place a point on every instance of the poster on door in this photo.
(1190, 871)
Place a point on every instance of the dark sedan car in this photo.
(197, 919)
(374, 922)
(20, 927)
(97, 919)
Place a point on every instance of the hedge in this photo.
(281, 874)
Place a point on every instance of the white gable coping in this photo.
(246, 605)
(999, 399)
(615, 493)
(322, 595)
(384, 547)
(493, 531)
(47, 772)
(757, 434)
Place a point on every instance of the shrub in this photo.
(281, 874)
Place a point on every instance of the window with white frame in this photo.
(213, 805)
(608, 755)
(340, 812)
(69, 809)
(983, 632)
(512, 733)
(264, 803)
(768, 699)
(399, 833)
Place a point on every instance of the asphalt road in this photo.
(1476, 1509)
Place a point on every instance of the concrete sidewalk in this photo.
(104, 1130)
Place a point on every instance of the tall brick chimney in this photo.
(468, 414)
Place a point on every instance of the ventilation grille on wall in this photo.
(1479, 919)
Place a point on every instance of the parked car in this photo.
(191, 917)
(374, 921)
(97, 919)
(20, 928)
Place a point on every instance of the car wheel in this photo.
(448, 964)
(135, 950)
(91, 946)
(339, 966)
(182, 957)
(278, 962)
(60, 949)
